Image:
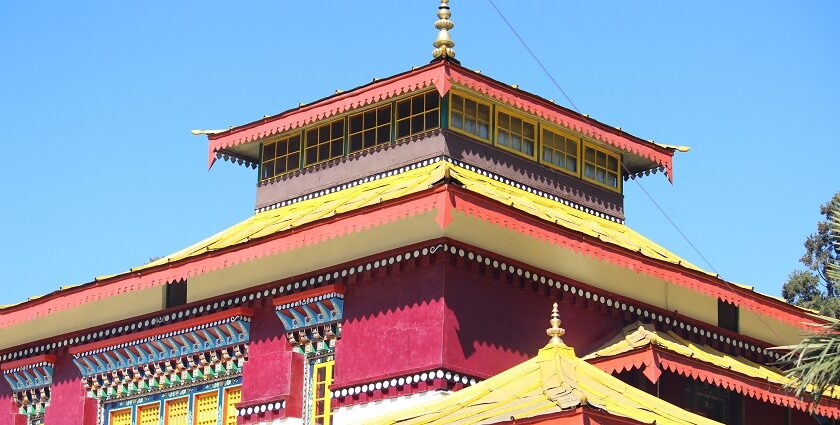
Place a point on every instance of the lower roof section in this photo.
(642, 346)
(553, 382)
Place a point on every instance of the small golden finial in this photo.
(555, 331)
(444, 46)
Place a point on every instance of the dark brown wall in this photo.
(435, 144)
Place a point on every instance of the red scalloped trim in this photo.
(499, 214)
(569, 120)
(309, 234)
(427, 76)
(441, 75)
(373, 216)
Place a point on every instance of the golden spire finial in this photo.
(555, 331)
(444, 46)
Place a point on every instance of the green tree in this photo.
(815, 362)
(817, 287)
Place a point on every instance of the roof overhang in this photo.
(654, 352)
(476, 211)
(241, 144)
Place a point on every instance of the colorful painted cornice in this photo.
(204, 348)
(30, 380)
(312, 319)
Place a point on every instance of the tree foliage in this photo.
(817, 287)
(815, 362)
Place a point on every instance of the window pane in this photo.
(384, 115)
(355, 142)
(370, 119)
(470, 108)
(268, 151)
(528, 131)
(355, 123)
(483, 112)
(403, 128)
(403, 109)
(370, 138)
(457, 103)
(483, 130)
(457, 120)
(612, 164)
(432, 100)
(337, 149)
(416, 104)
(383, 135)
(416, 124)
(432, 120)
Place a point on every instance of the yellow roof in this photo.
(295, 215)
(637, 336)
(272, 221)
(554, 381)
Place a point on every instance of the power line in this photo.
(554, 81)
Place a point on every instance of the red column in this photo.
(272, 373)
(68, 404)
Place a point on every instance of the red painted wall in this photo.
(393, 324)
(272, 371)
(68, 404)
(492, 324)
(8, 410)
(442, 314)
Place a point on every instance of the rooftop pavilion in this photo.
(441, 110)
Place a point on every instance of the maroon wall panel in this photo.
(393, 324)
(493, 324)
(757, 412)
(8, 410)
(798, 417)
(68, 404)
(267, 374)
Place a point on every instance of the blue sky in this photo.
(96, 100)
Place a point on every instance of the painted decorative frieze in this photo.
(181, 354)
(30, 380)
(312, 319)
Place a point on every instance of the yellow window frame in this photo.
(233, 395)
(578, 147)
(275, 140)
(117, 417)
(326, 416)
(514, 114)
(317, 127)
(375, 108)
(478, 101)
(609, 154)
(142, 409)
(167, 410)
(197, 398)
(412, 113)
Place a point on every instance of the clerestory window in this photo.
(418, 113)
(280, 156)
(324, 142)
(602, 167)
(370, 128)
(516, 134)
(560, 150)
(470, 116)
